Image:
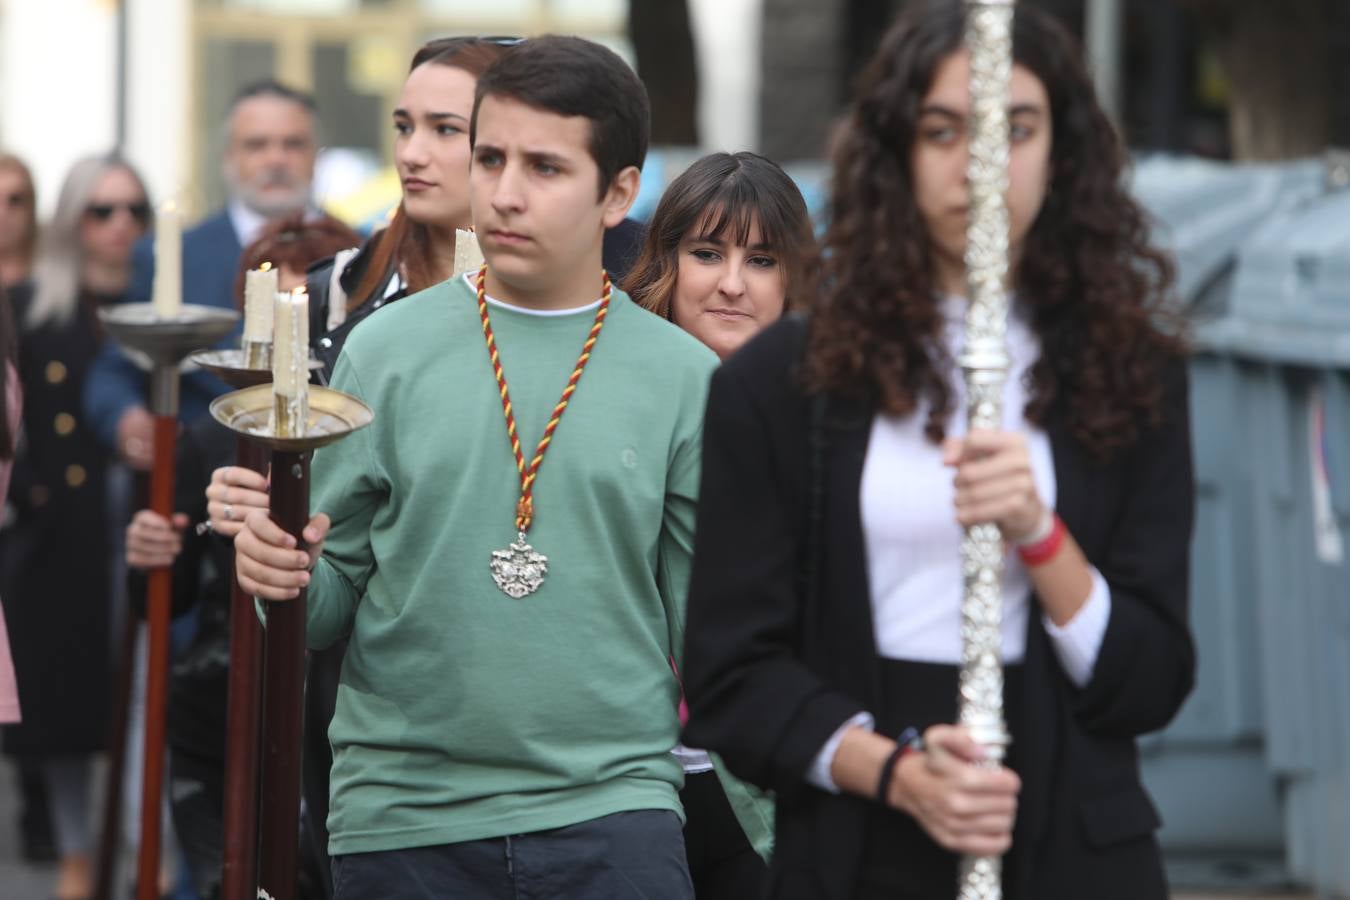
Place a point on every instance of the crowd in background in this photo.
(822, 646)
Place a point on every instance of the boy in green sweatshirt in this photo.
(508, 544)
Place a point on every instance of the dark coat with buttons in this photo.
(56, 550)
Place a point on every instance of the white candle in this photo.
(290, 363)
(260, 290)
(468, 258)
(168, 290)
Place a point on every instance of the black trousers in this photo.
(900, 861)
(626, 855)
(197, 804)
(722, 863)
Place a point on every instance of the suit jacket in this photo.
(211, 252)
(772, 670)
(622, 245)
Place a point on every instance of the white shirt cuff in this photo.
(1079, 640)
(819, 773)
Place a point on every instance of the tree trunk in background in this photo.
(802, 91)
(1276, 57)
(663, 42)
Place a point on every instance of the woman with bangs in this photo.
(724, 255)
(726, 250)
(824, 630)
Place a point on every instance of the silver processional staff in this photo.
(984, 360)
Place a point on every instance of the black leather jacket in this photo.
(320, 282)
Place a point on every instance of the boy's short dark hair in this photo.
(571, 76)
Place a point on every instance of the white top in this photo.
(471, 279)
(913, 541)
(247, 223)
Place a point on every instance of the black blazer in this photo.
(770, 674)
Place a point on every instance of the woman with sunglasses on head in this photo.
(431, 154)
(724, 255)
(58, 589)
(825, 613)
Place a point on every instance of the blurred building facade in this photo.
(154, 77)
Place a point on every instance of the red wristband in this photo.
(1042, 552)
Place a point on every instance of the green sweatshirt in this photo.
(463, 713)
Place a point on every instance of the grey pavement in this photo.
(25, 881)
(18, 880)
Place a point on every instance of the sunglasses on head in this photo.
(435, 47)
(500, 40)
(102, 212)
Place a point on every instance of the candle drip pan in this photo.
(166, 341)
(332, 416)
(228, 366)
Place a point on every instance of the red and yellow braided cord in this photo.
(528, 474)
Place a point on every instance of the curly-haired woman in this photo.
(824, 615)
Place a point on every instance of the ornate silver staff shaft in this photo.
(984, 359)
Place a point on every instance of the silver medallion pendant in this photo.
(518, 570)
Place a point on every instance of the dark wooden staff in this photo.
(284, 692)
(333, 415)
(243, 717)
(243, 724)
(159, 604)
(105, 865)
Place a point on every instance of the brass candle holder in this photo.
(332, 415)
(166, 341)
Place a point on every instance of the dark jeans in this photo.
(721, 861)
(630, 854)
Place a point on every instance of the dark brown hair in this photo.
(571, 76)
(723, 194)
(1094, 285)
(295, 243)
(404, 242)
(9, 360)
(12, 163)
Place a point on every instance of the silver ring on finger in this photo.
(228, 513)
